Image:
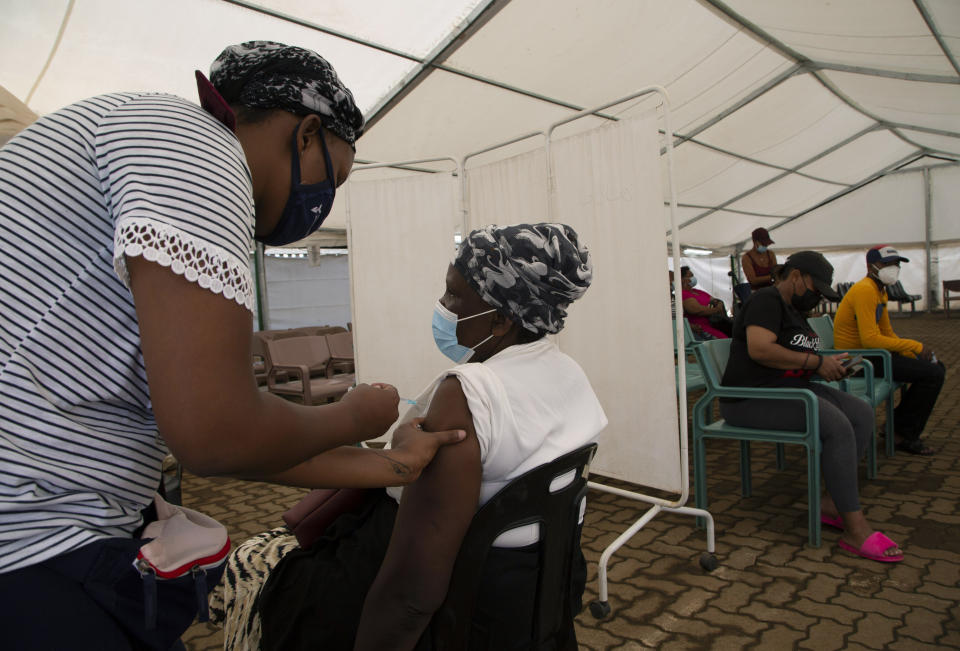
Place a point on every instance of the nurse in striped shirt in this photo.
(126, 222)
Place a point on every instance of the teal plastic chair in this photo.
(876, 389)
(693, 373)
(713, 356)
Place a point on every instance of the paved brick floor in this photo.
(771, 590)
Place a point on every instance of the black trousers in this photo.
(925, 381)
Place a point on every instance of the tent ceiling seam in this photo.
(853, 187)
(928, 19)
(757, 32)
(808, 65)
(756, 161)
(902, 137)
(733, 108)
(748, 213)
(410, 57)
(457, 37)
(803, 164)
(273, 13)
(921, 129)
(911, 170)
(889, 74)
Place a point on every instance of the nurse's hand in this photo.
(411, 448)
(373, 408)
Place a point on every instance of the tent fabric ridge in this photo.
(446, 47)
(851, 188)
(757, 161)
(880, 72)
(757, 32)
(764, 184)
(931, 25)
(733, 108)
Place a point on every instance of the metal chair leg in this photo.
(746, 480)
(813, 495)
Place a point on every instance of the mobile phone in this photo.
(852, 361)
(852, 365)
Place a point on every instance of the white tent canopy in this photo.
(829, 122)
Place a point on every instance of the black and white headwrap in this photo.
(529, 272)
(268, 75)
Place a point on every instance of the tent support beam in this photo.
(931, 294)
(409, 57)
(856, 186)
(771, 84)
(756, 188)
(755, 161)
(480, 16)
(928, 19)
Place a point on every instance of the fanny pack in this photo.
(184, 546)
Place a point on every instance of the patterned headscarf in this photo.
(268, 75)
(529, 272)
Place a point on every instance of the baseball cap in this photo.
(761, 235)
(884, 253)
(820, 271)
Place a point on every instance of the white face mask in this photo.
(888, 275)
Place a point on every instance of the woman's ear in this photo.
(501, 325)
(309, 133)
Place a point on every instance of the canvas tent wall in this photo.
(780, 106)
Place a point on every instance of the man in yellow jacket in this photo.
(863, 322)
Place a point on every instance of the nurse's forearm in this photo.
(345, 467)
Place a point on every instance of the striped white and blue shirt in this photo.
(123, 174)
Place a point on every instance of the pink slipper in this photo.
(836, 523)
(873, 548)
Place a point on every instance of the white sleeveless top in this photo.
(530, 404)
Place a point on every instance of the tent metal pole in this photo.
(778, 177)
(856, 186)
(928, 230)
(928, 19)
(263, 319)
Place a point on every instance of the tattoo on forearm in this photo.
(401, 469)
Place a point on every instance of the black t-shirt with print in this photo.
(767, 309)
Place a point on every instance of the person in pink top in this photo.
(699, 307)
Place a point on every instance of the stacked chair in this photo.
(262, 364)
(896, 292)
(309, 365)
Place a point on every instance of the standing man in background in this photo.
(863, 322)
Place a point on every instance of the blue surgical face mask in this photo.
(761, 248)
(693, 281)
(308, 204)
(445, 334)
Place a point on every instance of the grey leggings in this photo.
(846, 424)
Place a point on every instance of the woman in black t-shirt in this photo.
(774, 347)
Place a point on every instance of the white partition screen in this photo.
(401, 241)
(607, 185)
(509, 191)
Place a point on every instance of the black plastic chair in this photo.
(525, 500)
(896, 292)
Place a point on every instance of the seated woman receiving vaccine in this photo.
(377, 576)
